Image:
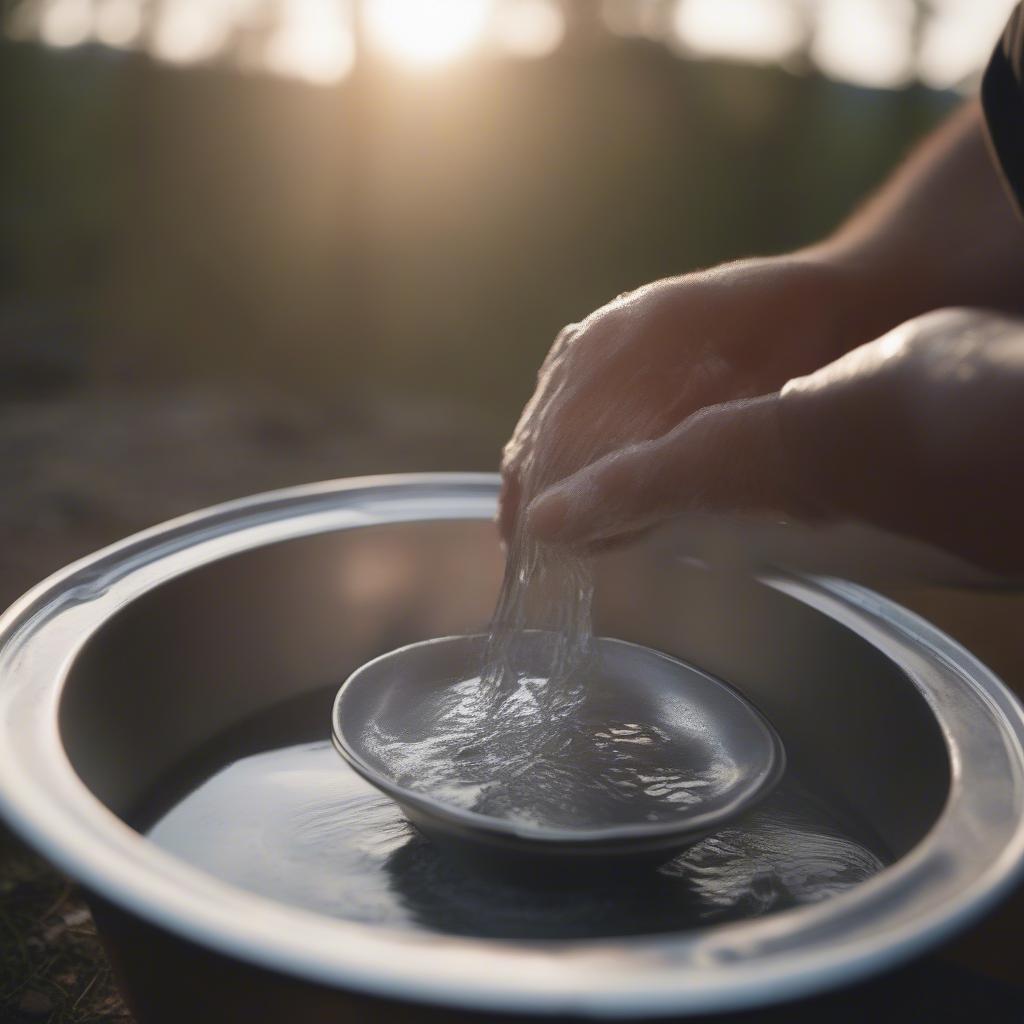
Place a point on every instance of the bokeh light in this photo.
(419, 34)
(956, 39)
(191, 30)
(530, 28)
(117, 22)
(867, 42)
(754, 30)
(64, 23)
(314, 42)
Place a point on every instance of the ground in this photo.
(52, 966)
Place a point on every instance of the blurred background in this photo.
(251, 243)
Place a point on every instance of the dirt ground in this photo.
(85, 469)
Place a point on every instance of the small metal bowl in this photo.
(716, 736)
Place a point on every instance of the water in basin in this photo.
(271, 808)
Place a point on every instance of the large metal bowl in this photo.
(116, 667)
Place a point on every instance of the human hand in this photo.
(918, 432)
(641, 365)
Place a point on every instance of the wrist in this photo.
(829, 302)
(866, 298)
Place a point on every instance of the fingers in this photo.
(517, 449)
(508, 503)
(729, 457)
(623, 540)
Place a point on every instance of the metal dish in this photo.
(719, 742)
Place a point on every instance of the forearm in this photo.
(920, 433)
(941, 232)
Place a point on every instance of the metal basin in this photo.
(120, 666)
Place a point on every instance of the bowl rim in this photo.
(746, 794)
(940, 885)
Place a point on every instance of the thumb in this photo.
(729, 457)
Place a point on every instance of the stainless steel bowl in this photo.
(116, 667)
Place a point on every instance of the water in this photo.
(576, 769)
(527, 744)
(294, 824)
(544, 587)
(570, 422)
(639, 739)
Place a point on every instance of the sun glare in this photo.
(755, 30)
(65, 22)
(960, 32)
(313, 42)
(422, 35)
(190, 30)
(867, 42)
(118, 22)
(874, 43)
(530, 28)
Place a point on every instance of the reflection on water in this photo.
(297, 825)
(554, 756)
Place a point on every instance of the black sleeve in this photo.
(1002, 97)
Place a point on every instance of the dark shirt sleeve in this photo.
(1002, 97)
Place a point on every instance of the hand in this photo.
(919, 432)
(639, 367)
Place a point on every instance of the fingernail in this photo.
(547, 516)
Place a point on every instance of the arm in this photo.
(914, 432)
(920, 432)
(941, 232)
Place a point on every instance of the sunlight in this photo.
(65, 23)
(754, 30)
(960, 33)
(420, 34)
(530, 28)
(314, 42)
(866, 42)
(190, 30)
(118, 22)
(869, 43)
